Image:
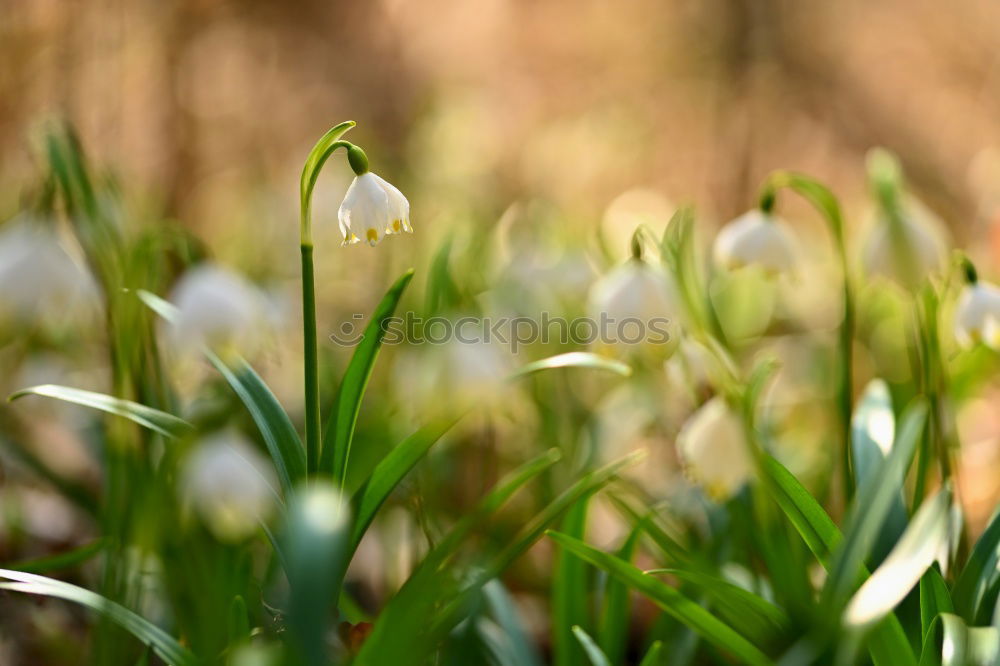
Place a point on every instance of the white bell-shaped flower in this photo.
(756, 239)
(373, 208)
(217, 309)
(977, 315)
(713, 447)
(905, 249)
(634, 308)
(38, 277)
(229, 484)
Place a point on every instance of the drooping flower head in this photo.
(714, 450)
(904, 244)
(634, 308)
(977, 314)
(229, 484)
(217, 309)
(756, 238)
(372, 208)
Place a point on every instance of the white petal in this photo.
(977, 315)
(364, 214)
(754, 238)
(639, 291)
(229, 484)
(399, 208)
(714, 449)
(217, 309)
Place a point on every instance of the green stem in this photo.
(318, 156)
(826, 204)
(311, 352)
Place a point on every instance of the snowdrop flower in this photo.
(37, 276)
(372, 207)
(902, 249)
(905, 244)
(217, 309)
(714, 450)
(755, 239)
(977, 315)
(634, 309)
(229, 484)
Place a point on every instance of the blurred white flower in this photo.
(714, 450)
(756, 239)
(217, 309)
(634, 308)
(906, 248)
(229, 484)
(38, 278)
(373, 208)
(977, 315)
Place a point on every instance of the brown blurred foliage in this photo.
(201, 101)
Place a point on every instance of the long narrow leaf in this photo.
(165, 646)
(669, 599)
(283, 443)
(934, 599)
(871, 506)
(980, 569)
(153, 419)
(569, 593)
(950, 642)
(344, 417)
(590, 648)
(888, 643)
(613, 630)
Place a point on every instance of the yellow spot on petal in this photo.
(397, 226)
(372, 236)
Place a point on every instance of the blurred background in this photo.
(211, 106)
(531, 128)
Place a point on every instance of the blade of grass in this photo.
(970, 587)
(754, 617)
(871, 506)
(887, 643)
(58, 561)
(574, 360)
(934, 599)
(613, 631)
(569, 593)
(347, 405)
(652, 657)
(165, 646)
(670, 600)
(283, 443)
(950, 642)
(590, 648)
(166, 424)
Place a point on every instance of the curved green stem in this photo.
(328, 143)
(826, 204)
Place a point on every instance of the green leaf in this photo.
(971, 585)
(157, 421)
(670, 600)
(615, 613)
(950, 642)
(574, 360)
(754, 617)
(871, 506)
(887, 643)
(165, 646)
(927, 535)
(344, 417)
(399, 626)
(239, 621)
(652, 657)
(594, 653)
(814, 525)
(61, 560)
(519, 646)
(282, 442)
(390, 471)
(569, 593)
(873, 428)
(934, 599)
